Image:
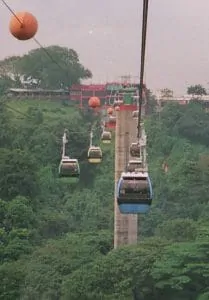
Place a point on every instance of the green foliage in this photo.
(56, 238)
(17, 174)
(51, 264)
(177, 230)
(197, 89)
(52, 67)
(11, 276)
(167, 93)
(5, 83)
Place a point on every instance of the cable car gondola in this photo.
(106, 137)
(135, 150)
(117, 102)
(95, 155)
(134, 165)
(69, 168)
(135, 114)
(134, 193)
(112, 119)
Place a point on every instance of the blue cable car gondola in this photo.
(134, 193)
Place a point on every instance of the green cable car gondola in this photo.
(106, 137)
(94, 155)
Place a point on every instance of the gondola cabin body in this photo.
(112, 119)
(135, 114)
(95, 155)
(69, 168)
(106, 137)
(110, 124)
(134, 193)
(134, 165)
(135, 150)
(118, 102)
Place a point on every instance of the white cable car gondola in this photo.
(112, 119)
(134, 193)
(135, 114)
(135, 150)
(95, 155)
(117, 102)
(69, 168)
(134, 165)
(106, 137)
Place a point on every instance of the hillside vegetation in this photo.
(57, 238)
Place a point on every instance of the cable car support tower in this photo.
(128, 129)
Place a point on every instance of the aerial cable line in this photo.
(30, 117)
(15, 110)
(2, 101)
(39, 44)
(74, 161)
(36, 41)
(143, 51)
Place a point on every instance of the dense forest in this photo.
(56, 238)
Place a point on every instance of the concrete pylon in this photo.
(125, 226)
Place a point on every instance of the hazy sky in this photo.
(107, 36)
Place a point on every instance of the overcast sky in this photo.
(107, 36)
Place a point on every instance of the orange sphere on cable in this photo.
(23, 26)
(110, 111)
(94, 102)
(117, 108)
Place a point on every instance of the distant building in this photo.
(37, 93)
(112, 93)
(162, 99)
